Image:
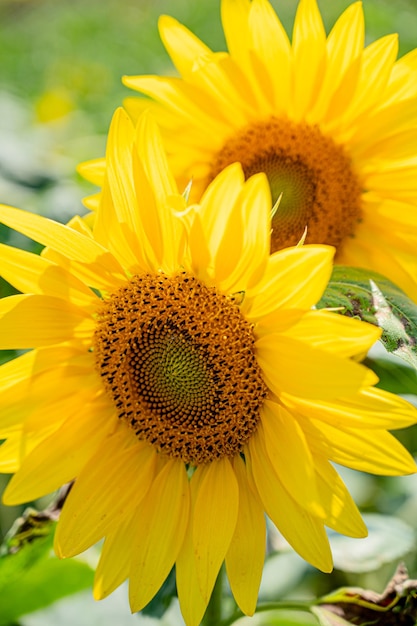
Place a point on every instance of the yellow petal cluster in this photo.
(65, 416)
(331, 121)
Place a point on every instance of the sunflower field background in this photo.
(60, 81)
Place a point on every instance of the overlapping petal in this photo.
(360, 97)
(299, 398)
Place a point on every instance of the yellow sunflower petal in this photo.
(215, 515)
(218, 75)
(191, 601)
(119, 167)
(246, 553)
(46, 397)
(243, 253)
(117, 223)
(31, 273)
(10, 453)
(401, 85)
(236, 24)
(342, 335)
(59, 458)
(118, 237)
(303, 531)
(54, 411)
(309, 47)
(234, 14)
(161, 525)
(19, 445)
(342, 513)
(168, 233)
(92, 202)
(154, 160)
(290, 456)
(373, 451)
(177, 38)
(344, 47)
(116, 555)
(396, 117)
(182, 99)
(297, 368)
(62, 239)
(274, 49)
(370, 408)
(224, 189)
(93, 170)
(377, 61)
(31, 363)
(294, 278)
(16, 448)
(91, 511)
(52, 320)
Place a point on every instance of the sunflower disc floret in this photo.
(178, 360)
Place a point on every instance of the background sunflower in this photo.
(59, 85)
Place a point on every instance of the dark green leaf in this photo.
(161, 601)
(373, 298)
(393, 376)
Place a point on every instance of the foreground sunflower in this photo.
(331, 123)
(180, 375)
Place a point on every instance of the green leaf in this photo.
(161, 601)
(367, 295)
(31, 577)
(393, 376)
(29, 540)
(45, 582)
(277, 618)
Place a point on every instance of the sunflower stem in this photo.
(213, 614)
(270, 606)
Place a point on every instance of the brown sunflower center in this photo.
(310, 173)
(178, 360)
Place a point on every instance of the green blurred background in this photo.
(60, 81)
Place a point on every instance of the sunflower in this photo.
(332, 123)
(179, 375)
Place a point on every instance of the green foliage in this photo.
(371, 297)
(394, 376)
(161, 601)
(31, 577)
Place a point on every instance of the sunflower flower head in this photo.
(180, 376)
(331, 122)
